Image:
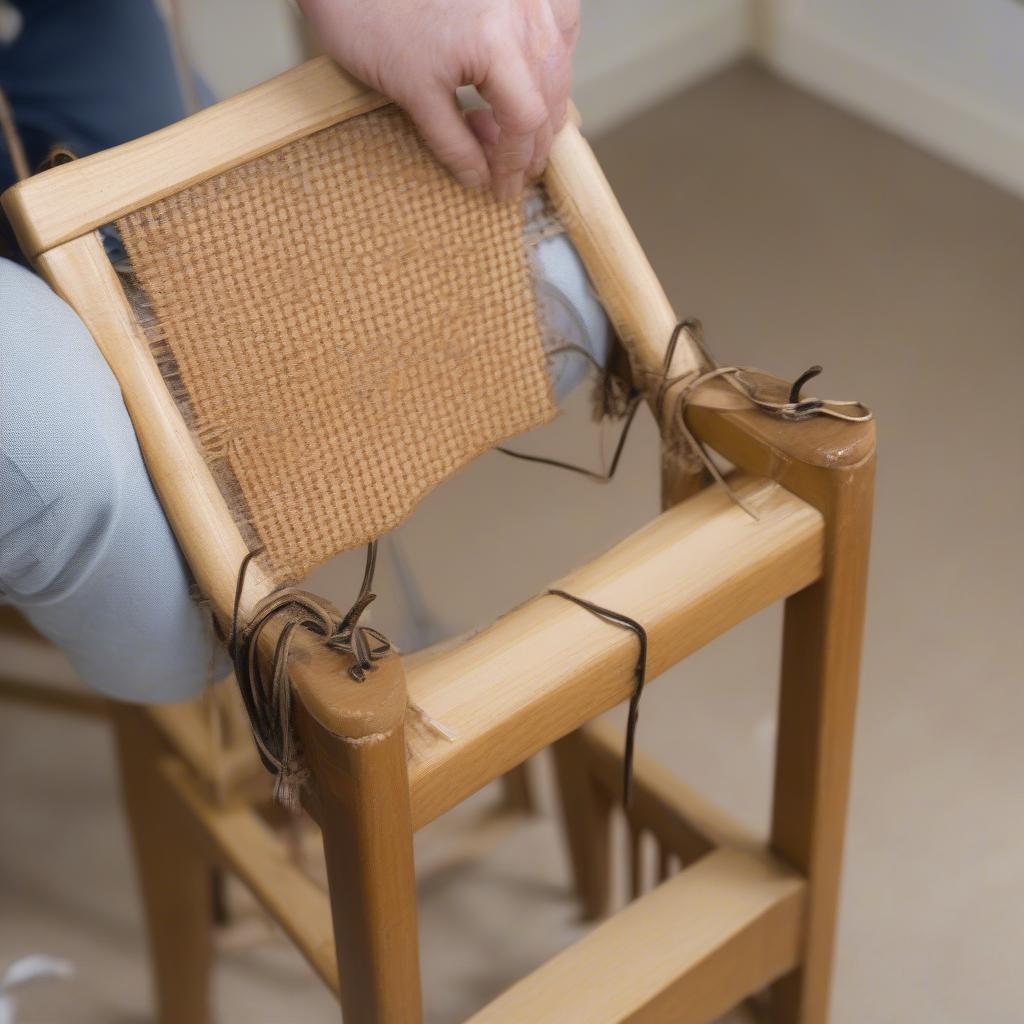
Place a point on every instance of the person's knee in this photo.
(59, 480)
(85, 550)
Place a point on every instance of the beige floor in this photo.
(799, 235)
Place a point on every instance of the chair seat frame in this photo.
(764, 913)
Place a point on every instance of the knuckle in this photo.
(453, 155)
(569, 25)
(492, 36)
(527, 117)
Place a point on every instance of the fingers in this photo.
(550, 37)
(523, 72)
(446, 132)
(482, 124)
(520, 110)
(517, 53)
(553, 71)
(541, 148)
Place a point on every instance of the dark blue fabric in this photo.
(87, 74)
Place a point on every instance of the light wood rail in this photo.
(659, 961)
(75, 198)
(80, 272)
(622, 275)
(549, 666)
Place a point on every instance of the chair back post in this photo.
(353, 740)
(625, 282)
(831, 465)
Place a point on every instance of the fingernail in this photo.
(470, 178)
(509, 188)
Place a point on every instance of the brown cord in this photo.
(795, 409)
(639, 676)
(631, 403)
(634, 404)
(268, 702)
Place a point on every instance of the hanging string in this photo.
(593, 474)
(639, 678)
(630, 403)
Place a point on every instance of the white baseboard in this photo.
(924, 111)
(700, 42)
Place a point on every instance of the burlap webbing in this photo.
(344, 326)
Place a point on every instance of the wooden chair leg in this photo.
(517, 790)
(586, 819)
(174, 875)
(820, 666)
(830, 465)
(361, 788)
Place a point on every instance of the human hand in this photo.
(418, 52)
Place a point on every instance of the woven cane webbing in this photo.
(343, 327)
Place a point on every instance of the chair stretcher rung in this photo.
(245, 845)
(684, 821)
(686, 952)
(549, 666)
(232, 772)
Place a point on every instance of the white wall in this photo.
(948, 74)
(236, 44)
(633, 53)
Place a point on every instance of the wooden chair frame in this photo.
(744, 915)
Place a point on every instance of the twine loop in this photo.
(769, 394)
(268, 698)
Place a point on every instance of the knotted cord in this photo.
(268, 700)
(793, 409)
